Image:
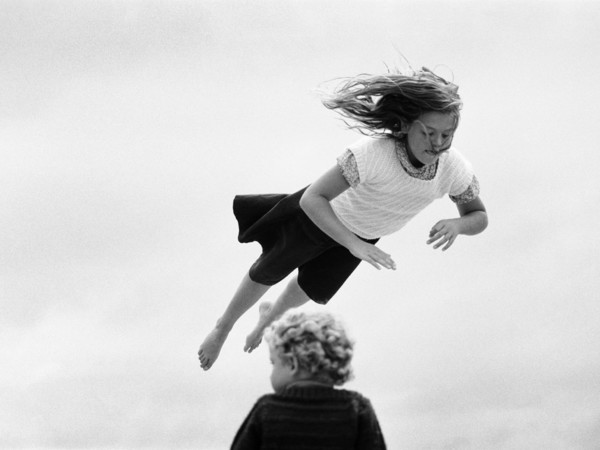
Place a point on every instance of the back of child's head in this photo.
(318, 342)
(385, 104)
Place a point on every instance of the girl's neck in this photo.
(414, 161)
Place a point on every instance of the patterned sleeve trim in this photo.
(349, 168)
(469, 194)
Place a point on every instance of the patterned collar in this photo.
(423, 173)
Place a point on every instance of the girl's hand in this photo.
(444, 232)
(373, 255)
(472, 220)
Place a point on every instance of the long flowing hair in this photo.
(385, 105)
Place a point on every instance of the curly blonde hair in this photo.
(383, 105)
(319, 343)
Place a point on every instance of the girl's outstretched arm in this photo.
(315, 203)
(473, 220)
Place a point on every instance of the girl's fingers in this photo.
(389, 265)
(376, 257)
(436, 231)
(433, 239)
(434, 235)
(377, 261)
(374, 264)
(442, 241)
(386, 261)
(441, 237)
(448, 240)
(449, 244)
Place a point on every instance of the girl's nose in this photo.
(437, 141)
(436, 144)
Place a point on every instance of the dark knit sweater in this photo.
(302, 418)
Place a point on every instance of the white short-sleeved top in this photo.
(387, 191)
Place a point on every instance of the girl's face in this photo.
(429, 136)
(283, 372)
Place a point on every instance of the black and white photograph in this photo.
(298, 224)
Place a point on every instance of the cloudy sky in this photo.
(126, 128)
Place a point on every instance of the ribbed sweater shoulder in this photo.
(302, 418)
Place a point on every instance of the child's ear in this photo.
(293, 364)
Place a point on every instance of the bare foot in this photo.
(255, 337)
(211, 347)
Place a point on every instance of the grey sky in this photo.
(126, 129)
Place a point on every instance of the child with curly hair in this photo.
(405, 162)
(310, 354)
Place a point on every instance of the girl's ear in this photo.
(401, 128)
